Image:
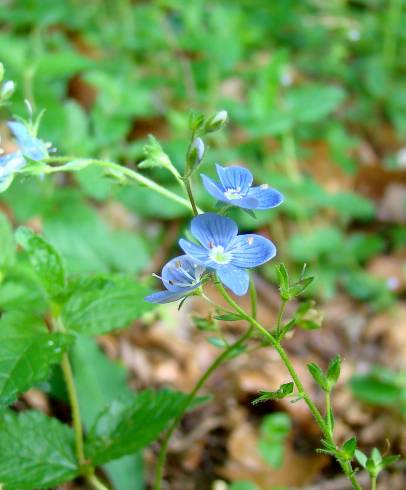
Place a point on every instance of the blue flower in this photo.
(228, 253)
(31, 147)
(181, 276)
(235, 188)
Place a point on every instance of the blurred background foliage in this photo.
(316, 95)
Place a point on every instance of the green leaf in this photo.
(99, 381)
(231, 317)
(361, 458)
(8, 248)
(349, 447)
(125, 427)
(333, 370)
(100, 304)
(274, 430)
(27, 352)
(318, 375)
(283, 391)
(36, 451)
(389, 460)
(45, 260)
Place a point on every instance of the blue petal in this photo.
(245, 202)
(234, 278)
(181, 272)
(11, 163)
(266, 197)
(251, 250)
(237, 178)
(196, 252)
(31, 147)
(169, 296)
(211, 230)
(213, 188)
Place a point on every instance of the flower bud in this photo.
(7, 90)
(216, 122)
(195, 154)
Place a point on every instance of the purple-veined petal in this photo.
(162, 297)
(181, 272)
(213, 188)
(266, 197)
(213, 230)
(251, 250)
(237, 178)
(234, 278)
(31, 147)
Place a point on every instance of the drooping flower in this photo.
(229, 254)
(235, 188)
(31, 147)
(181, 276)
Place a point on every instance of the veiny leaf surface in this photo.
(27, 352)
(7, 247)
(36, 451)
(45, 260)
(128, 426)
(103, 303)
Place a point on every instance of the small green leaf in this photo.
(126, 426)
(274, 430)
(45, 260)
(231, 317)
(8, 247)
(349, 447)
(389, 460)
(217, 342)
(376, 456)
(27, 352)
(36, 451)
(283, 391)
(361, 458)
(298, 288)
(100, 304)
(318, 376)
(283, 279)
(333, 370)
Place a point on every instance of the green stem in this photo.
(190, 195)
(280, 316)
(373, 482)
(346, 466)
(253, 298)
(202, 380)
(97, 484)
(74, 404)
(120, 170)
(328, 413)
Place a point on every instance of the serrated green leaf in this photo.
(104, 303)
(36, 451)
(8, 247)
(45, 260)
(27, 352)
(126, 426)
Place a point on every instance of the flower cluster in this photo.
(219, 248)
(29, 148)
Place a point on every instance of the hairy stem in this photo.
(346, 466)
(202, 380)
(190, 195)
(118, 170)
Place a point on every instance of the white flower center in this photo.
(218, 254)
(233, 193)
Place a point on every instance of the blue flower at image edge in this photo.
(29, 147)
(229, 254)
(235, 188)
(181, 276)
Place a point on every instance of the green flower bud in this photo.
(216, 122)
(195, 154)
